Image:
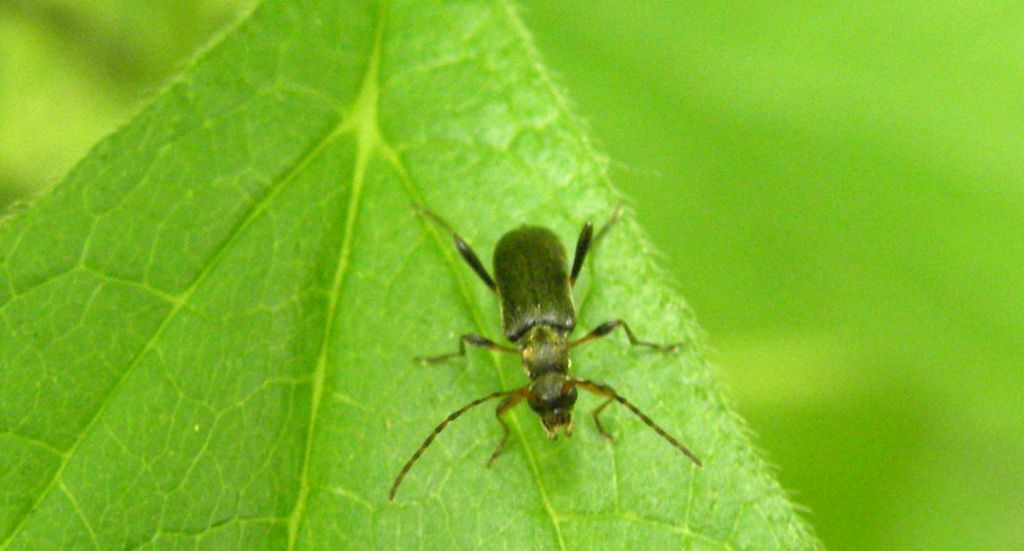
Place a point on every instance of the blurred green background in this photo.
(838, 189)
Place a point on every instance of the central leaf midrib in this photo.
(363, 123)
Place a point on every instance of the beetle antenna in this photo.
(437, 430)
(607, 391)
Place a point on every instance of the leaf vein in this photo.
(364, 123)
(181, 301)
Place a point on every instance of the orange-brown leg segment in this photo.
(505, 405)
(597, 420)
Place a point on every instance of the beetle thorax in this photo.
(544, 349)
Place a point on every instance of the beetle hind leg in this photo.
(588, 239)
(464, 249)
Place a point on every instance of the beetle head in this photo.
(552, 396)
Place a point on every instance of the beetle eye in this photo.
(568, 397)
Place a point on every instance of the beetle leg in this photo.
(582, 246)
(504, 406)
(521, 392)
(587, 239)
(474, 262)
(597, 420)
(464, 249)
(616, 214)
(609, 326)
(471, 338)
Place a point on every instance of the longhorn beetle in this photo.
(534, 284)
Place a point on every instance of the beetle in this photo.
(534, 284)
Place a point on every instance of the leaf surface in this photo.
(206, 330)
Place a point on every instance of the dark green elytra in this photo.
(532, 277)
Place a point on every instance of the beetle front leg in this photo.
(597, 420)
(504, 406)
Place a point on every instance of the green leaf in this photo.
(207, 329)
